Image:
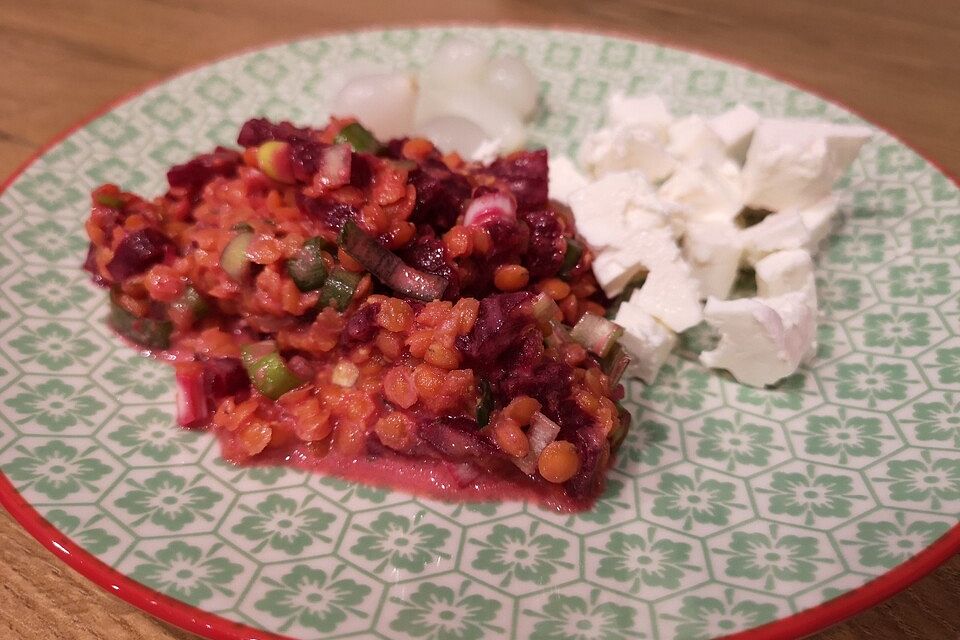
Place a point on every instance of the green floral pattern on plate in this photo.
(729, 506)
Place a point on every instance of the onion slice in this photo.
(542, 432)
(491, 206)
(596, 334)
(387, 267)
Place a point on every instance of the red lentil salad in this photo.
(376, 311)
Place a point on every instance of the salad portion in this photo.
(376, 310)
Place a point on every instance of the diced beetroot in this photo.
(501, 321)
(138, 251)
(591, 442)
(457, 438)
(361, 173)
(361, 327)
(256, 131)
(90, 266)
(223, 377)
(547, 246)
(428, 253)
(440, 195)
(525, 174)
(329, 213)
(189, 178)
(193, 406)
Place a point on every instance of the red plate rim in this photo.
(216, 627)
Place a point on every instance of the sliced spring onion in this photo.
(146, 332)
(596, 334)
(484, 402)
(193, 302)
(345, 374)
(614, 364)
(542, 431)
(234, 260)
(335, 167)
(545, 309)
(359, 138)
(387, 267)
(267, 370)
(108, 200)
(571, 258)
(306, 268)
(620, 431)
(491, 206)
(338, 289)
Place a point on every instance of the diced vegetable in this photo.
(267, 370)
(614, 364)
(359, 138)
(491, 206)
(334, 168)
(545, 309)
(338, 289)
(242, 226)
(307, 268)
(596, 334)
(484, 402)
(542, 432)
(276, 161)
(192, 302)
(571, 258)
(387, 267)
(137, 252)
(619, 433)
(193, 407)
(234, 260)
(107, 199)
(345, 374)
(147, 332)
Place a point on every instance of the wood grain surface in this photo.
(895, 62)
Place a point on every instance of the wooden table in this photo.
(897, 63)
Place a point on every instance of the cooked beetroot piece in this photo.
(329, 213)
(190, 177)
(256, 131)
(547, 246)
(361, 327)
(224, 377)
(90, 266)
(525, 173)
(139, 251)
(457, 438)
(440, 195)
(360, 170)
(501, 320)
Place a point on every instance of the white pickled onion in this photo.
(383, 102)
(509, 80)
(491, 206)
(453, 133)
(454, 61)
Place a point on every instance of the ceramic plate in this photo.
(730, 508)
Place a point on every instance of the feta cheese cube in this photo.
(564, 178)
(625, 147)
(704, 191)
(693, 140)
(648, 342)
(735, 127)
(786, 272)
(818, 219)
(794, 163)
(762, 340)
(607, 210)
(713, 251)
(776, 232)
(649, 112)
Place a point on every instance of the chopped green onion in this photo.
(542, 431)
(614, 364)
(545, 309)
(267, 370)
(338, 289)
(151, 333)
(484, 402)
(620, 431)
(359, 138)
(307, 268)
(191, 300)
(571, 258)
(108, 200)
(234, 258)
(387, 267)
(345, 374)
(596, 334)
(242, 226)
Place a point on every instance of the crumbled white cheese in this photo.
(649, 112)
(713, 251)
(693, 140)
(564, 178)
(794, 163)
(818, 219)
(735, 127)
(607, 210)
(625, 147)
(762, 340)
(786, 272)
(777, 232)
(704, 191)
(648, 342)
